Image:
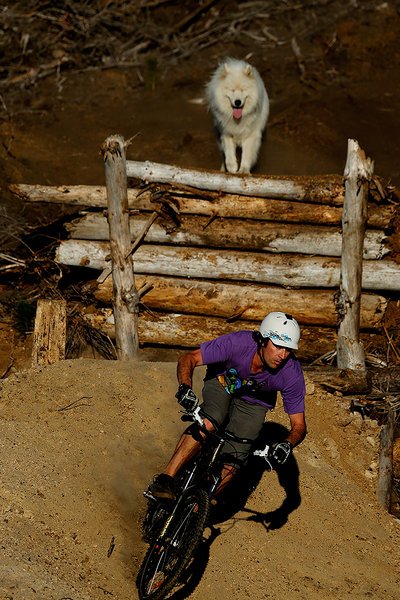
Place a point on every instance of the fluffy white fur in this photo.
(239, 104)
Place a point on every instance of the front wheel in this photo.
(170, 553)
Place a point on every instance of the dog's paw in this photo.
(232, 166)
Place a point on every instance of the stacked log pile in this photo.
(212, 261)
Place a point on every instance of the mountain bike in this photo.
(174, 529)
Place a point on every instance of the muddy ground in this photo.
(81, 439)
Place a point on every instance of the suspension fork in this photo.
(216, 478)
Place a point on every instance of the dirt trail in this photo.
(82, 438)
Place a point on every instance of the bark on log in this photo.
(188, 331)
(234, 233)
(320, 190)
(333, 379)
(286, 270)
(384, 491)
(358, 172)
(50, 332)
(347, 381)
(370, 381)
(125, 296)
(246, 301)
(222, 205)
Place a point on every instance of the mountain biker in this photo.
(245, 370)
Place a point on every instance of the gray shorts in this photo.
(241, 418)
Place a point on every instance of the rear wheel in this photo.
(168, 555)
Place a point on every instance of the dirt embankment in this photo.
(80, 441)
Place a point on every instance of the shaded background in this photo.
(72, 73)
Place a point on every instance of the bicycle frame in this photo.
(204, 466)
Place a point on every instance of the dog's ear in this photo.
(248, 71)
(225, 70)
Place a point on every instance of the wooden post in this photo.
(50, 332)
(358, 171)
(125, 296)
(386, 461)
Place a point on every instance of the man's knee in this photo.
(194, 430)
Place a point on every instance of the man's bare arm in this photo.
(186, 365)
(299, 429)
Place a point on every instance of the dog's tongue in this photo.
(237, 113)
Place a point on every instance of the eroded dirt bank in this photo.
(81, 439)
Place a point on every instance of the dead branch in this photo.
(143, 233)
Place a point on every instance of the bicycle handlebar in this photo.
(265, 455)
(192, 415)
(262, 453)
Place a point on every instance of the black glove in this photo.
(186, 397)
(281, 451)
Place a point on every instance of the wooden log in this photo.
(202, 263)
(125, 296)
(358, 171)
(233, 233)
(348, 381)
(50, 332)
(333, 379)
(222, 205)
(384, 489)
(247, 301)
(320, 190)
(189, 331)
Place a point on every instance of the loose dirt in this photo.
(81, 440)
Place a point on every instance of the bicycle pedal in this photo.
(149, 496)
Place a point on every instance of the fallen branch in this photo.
(393, 347)
(143, 233)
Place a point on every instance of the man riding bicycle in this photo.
(245, 370)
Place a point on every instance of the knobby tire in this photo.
(167, 557)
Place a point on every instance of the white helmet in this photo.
(281, 329)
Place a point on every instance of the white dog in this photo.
(239, 104)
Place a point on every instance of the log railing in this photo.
(211, 204)
(219, 248)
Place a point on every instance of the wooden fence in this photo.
(215, 252)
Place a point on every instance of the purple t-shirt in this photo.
(236, 351)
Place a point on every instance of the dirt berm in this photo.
(82, 438)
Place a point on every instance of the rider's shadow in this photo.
(235, 496)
